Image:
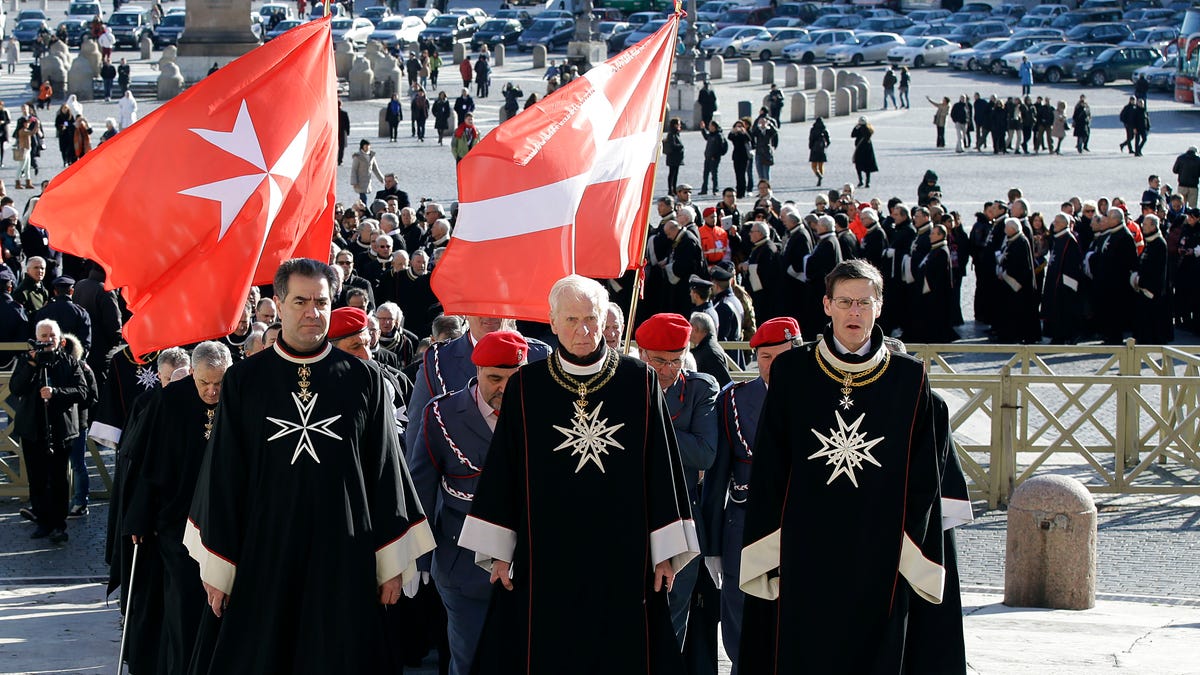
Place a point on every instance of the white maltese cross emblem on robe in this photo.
(589, 436)
(845, 448)
(304, 443)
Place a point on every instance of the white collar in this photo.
(578, 371)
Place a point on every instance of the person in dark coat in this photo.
(983, 121)
(1141, 126)
(441, 116)
(1017, 320)
(760, 267)
(710, 357)
(999, 127)
(1081, 118)
(343, 131)
(483, 75)
(1127, 120)
(874, 241)
(1061, 300)
(826, 255)
(765, 133)
(743, 147)
(686, 258)
(673, 153)
(1111, 260)
(818, 141)
(797, 246)
(420, 113)
(715, 147)
(847, 242)
(707, 100)
(14, 323)
(935, 307)
(70, 317)
(864, 152)
(1153, 323)
(929, 186)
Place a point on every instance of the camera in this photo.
(39, 346)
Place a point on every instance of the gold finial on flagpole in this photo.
(327, 8)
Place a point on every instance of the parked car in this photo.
(807, 12)
(992, 60)
(929, 15)
(26, 31)
(814, 46)
(1160, 74)
(1075, 17)
(1050, 33)
(772, 47)
(75, 29)
(274, 12)
(784, 22)
(1145, 18)
(169, 28)
(550, 33)
(283, 27)
(727, 41)
(985, 7)
(1048, 10)
(448, 29)
(522, 16)
(317, 10)
(357, 30)
(713, 9)
(1031, 21)
(552, 14)
(964, 59)
(922, 51)
(481, 16)
(129, 24)
(840, 21)
(968, 35)
(745, 16)
(638, 18)
(27, 14)
(1109, 33)
(963, 17)
(497, 32)
(1115, 63)
(601, 14)
(425, 14)
(1160, 38)
(928, 30)
(397, 33)
(867, 48)
(869, 12)
(376, 13)
(1061, 65)
(605, 30)
(616, 38)
(1012, 62)
(1009, 13)
(88, 9)
(887, 24)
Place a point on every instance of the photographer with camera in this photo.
(49, 383)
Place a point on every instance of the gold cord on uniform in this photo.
(851, 380)
(581, 389)
(303, 372)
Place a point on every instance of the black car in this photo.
(551, 33)
(75, 30)
(497, 31)
(448, 29)
(169, 30)
(1107, 33)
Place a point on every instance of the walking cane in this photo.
(128, 609)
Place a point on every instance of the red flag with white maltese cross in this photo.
(208, 194)
(564, 187)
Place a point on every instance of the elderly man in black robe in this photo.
(1061, 294)
(583, 466)
(1017, 321)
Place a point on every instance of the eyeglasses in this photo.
(344, 263)
(663, 363)
(847, 303)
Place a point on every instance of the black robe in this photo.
(825, 256)
(302, 509)
(554, 510)
(828, 589)
(934, 310)
(1114, 259)
(1017, 320)
(1154, 324)
(792, 293)
(1062, 310)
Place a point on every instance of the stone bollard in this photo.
(791, 76)
(79, 79)
(799, 104)
(821, 104)
(460, 52)
(539, 56)
(768, 72)
(863, 96)
(716, 67)
(343, 58)
(828, 79)
(170, 81)
(147, 47)
(385, 131)
(1050, 559)
(811, 76)
(90, 51)
(498, 55)
(841, 77)
(743, 70)
(842, 102)
(362, 80)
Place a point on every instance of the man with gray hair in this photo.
(825, 256)
(1017, 315)
(875, 240)
(1154, 323)
(797, 245)
(710, 357)
(575, 430)
(1061, 294)
(178, 426)
(392, 334)
(1112, 259)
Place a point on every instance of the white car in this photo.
(964, 59)
(357, 31)
(814, 46)
(730, 39)
(866, 48)
(1161, 75)
(922, 51)
(398, 32)
(1012, 62)
(772, 47)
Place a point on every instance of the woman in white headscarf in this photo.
(127, 107)
(75, 106)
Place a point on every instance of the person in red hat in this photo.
(350, 331)
(727, 482)
(845, 482)
(663, 343)
(446, 463)
(582, 473)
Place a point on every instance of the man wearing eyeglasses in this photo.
(344, 260)
(691, 399)
(845, 519)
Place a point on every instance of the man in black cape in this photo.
(1062, 314)
(583, 467)
(844, 527)
(304, 521)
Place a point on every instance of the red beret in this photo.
(664, 333)
(710, 211)
(346, 321)
(500, 349)
(775, 332)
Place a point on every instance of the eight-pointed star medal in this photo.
(304, 443)
(589, 437)
(845, 448)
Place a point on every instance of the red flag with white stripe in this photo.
(564, 187)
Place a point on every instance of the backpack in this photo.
(724, 146)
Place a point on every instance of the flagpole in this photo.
(326, 7)
(639, 279)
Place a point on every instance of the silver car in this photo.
(814, 46)
(867, 48)
(772, 47)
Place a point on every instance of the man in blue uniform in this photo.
(663, 341)
(738, 408)
(69, 316)
(446, 462)
(446, 366)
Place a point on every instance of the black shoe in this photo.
(27, 514)
(40, 533)
(77, 512)
(59, 536)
